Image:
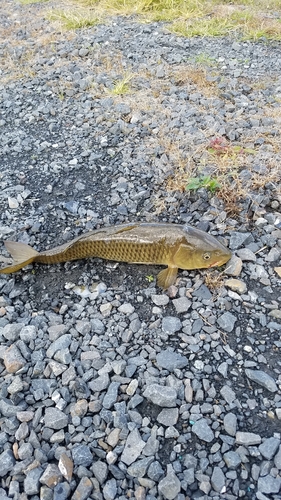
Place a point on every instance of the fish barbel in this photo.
(177, 246)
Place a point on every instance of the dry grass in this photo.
(214, 279)
(224, 165)
(28, 2)
(185, 159)
(122, 85)
(18, 58)
(72, 17)
(250, 19)
(198, 76)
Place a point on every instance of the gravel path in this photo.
(109, 387)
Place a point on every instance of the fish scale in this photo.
(119, 250)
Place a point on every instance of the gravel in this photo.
(111, 388)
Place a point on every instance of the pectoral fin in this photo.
(22, 255)
(167, 277)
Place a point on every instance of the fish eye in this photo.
(206, 256)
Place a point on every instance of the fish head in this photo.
(200, 250)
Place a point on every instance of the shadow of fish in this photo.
(174, 245)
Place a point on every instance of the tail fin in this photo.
(22, 255)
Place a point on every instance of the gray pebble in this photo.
(55, 331)
(133, 448)
(247, 438)
(155, 471)
(160, 300)
(97, 326)
(273, 255)
(228, 394)
(161, 395)
(152, 444)
(170, 485)
(8, 409)
(126, 308)
(123, 108)
(182, 304)
(233, 266)
(269, 484)
(100, 383)
(171, 324)
(246, 254)
(202, 430)
(170, 360)
(227, 321)
(277, 459)
(83, 489)
(82, 455)
(100, 470)
(202, 292)
(262, 378)
(269, 447)
(139, 468)
(168, 416)
(7, 461)
(110, 489)
(238, 239)
(230, 423)
(55, 418)
(222, 368)
(61, 491)
(28, 333)
(111, 396)
(31, 481)
(232, 459)
(218, 479)
(61, 343)
(12, 331)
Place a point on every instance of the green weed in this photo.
(122, 86)
(203, 182)
(219, 146)
(149, 278)
(204, 59)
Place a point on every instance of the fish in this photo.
(174, 245)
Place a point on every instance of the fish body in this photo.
(174, 245)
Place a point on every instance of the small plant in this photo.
(204, 59)
(149, 278)
(122, 86)
(219, 146)
(203, 182)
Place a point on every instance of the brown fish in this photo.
(174, 245)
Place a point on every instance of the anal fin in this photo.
(167, 277)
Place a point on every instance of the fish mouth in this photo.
(218, 263)
(213, 265)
